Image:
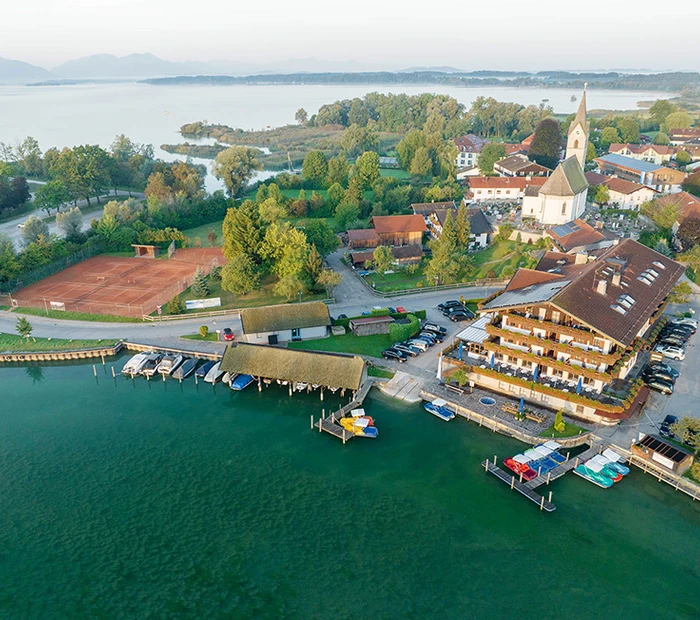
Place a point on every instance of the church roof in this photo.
(580, 115)
(566, 180)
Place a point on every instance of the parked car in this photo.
(227, 334)
(407, 350)
(391, 310)
(660, 385)
(691, 322)
(427, 339)
(657, 374)
(665, 367)
(665, 428)
(432, 327)
(675, 353)
(342, 316)
(401, 310)
(459, 316)
(452, 303)
(434, 335)
(419, 344)
(393, 354)
(672, 341)
(453, 309)
(678, 329)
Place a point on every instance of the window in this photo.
(576, 143)
(563, 209)
(579, 408)
(296, 333)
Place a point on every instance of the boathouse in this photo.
(331, 370)
(273, 324)
(674, 458)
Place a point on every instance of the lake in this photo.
(124, 499)
(95, 113)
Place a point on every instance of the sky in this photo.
(376, 34)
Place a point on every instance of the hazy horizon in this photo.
(373, 35)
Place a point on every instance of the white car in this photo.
(690, 322)
(675, 353)
(419, 344)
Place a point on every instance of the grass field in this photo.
(570, 430)
(381, 373)
(394, 173)
(77, 316)
(397, 281)
(348, 343)
(202, 231)
(12, 343)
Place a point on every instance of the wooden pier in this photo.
(565, 467)
(520, 487)
(330, 423)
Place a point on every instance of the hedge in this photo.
(403, 331)
(420, 314)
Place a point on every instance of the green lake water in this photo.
(124, 499)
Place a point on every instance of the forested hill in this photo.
(672, 82)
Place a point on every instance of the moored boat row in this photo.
(360, 424)
(603, 469)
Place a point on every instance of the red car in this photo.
(227, 334)
(401, 309)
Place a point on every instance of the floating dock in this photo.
(520, 487)
(330, 423)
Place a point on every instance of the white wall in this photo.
(306, 333)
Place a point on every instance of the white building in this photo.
(627, 194)
(468, 150)
(273, 324)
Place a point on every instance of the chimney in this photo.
(581, 258)
(617, 278)
(602, 287)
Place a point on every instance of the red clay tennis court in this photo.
(119, 285)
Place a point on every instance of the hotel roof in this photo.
(628, 163)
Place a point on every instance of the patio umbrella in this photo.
(579, 385)
(493, 360)
(461, 346)
(534, 375)
(522, 404)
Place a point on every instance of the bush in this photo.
(403, 331)
(420, 314)
(559, 424)
(175, 306)
(379, 312)
(203, 331)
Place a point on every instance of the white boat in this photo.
(226, 378)
(282, 382)
(358, 413)
(440, 410)
(215, 373)
(168, 364)
(333, 389)
(300, 387)
(135, 364)
(149, 368)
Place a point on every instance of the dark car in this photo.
(665, 428)
(672, 341)
(434, 335)
(407, 349)
(459, 316)
(681, 333)
(393, 354)
(664, 367)
(391, 310)
(657, 374)
(665, 387)
(227, 334)
(342, 316)
(452, 303)
(427, 339)
(454, 309)
(432, 327)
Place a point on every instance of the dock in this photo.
(520, 487)
(330, 424)
(565, 467)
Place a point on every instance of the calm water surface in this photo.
(135, 500)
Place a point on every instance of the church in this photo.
(563, 196)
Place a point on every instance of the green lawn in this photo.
(570, 430)
(231, 301)
(394, 173)
(12, 343)
(397, 281)
(211, 337)
(381, 373)
(348, 343)
(294, 193)
(201, 232)
(78, 316)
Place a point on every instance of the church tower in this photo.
(577, 139)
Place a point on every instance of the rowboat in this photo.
(185, 369)
(241, 382)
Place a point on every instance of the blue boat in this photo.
(613, 462)
(438, 409)
(368, 431)
(241, 382)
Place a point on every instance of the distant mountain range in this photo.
(18, 72)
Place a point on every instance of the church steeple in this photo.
(577, 139)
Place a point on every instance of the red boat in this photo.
(520, 468)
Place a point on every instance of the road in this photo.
(12, 230)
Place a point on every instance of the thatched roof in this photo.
(329, 369)
(287, 316)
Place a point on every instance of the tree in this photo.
(34, 228)
(203, 331)
(463, 226)
(559, 424)
(358, 139)
(321, 235)
(329, 279)
(683, 158)
(212, 237)
(315, 168)
(546, 144)
(691, 258)
(271, 211)
(629, 130)
(240, 275)
(289, 286)
(660, 110)
(301, 116)
(689, 232)
(662, 139)
(346, 213)
(28, 156)
(84, 170)
(663, 215)
(590, 153)
(175, 306)
(240, 233)
(504, 232)
(338, 170)
(601, 194)
(313, 266)
(199, 285)
(24, 327)
(688, 430)
(609, 136)
(235, 167)
(681, 293)
(335, 194)
(692, 183)
(382, 259)
(490, 154)
(677, 120)
(445, 264)
(662, 247)
(366, 168)
(70, 223)
(421, 164)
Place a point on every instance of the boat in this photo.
(282, 382)
(539, 463)
(439, 409)
(215, 374)
(363, 427)
(549, 453)
(369, 431)
(359, 414)
(227, 377)
(185, 369)
(149, 368)
(614, 462)
(518, 464)
(168, 364)
(300, 387)
(203, 370)
(241, 382)
(592, 473)
(267, 381)
(605, 470)
(573, 97)
(135, 364)
(333, 389)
